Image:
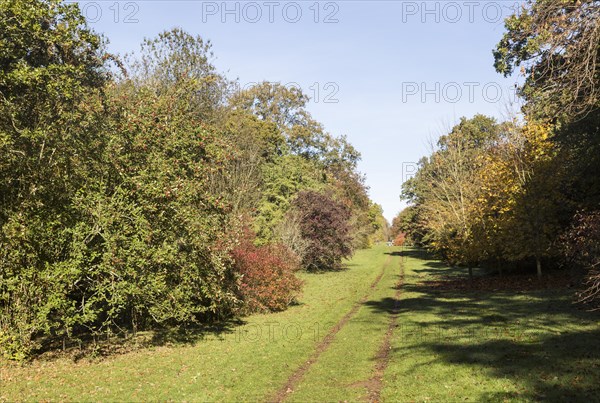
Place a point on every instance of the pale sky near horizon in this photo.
(390, 75)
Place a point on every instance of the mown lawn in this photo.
(344, 371)
(474, 345)
(490, 345)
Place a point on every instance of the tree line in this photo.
(147, 191)
(524, 192)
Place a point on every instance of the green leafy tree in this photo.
(51, 75)
(407, 222)
(151, 219)
(255, 145)
(175, 56)
(305, 157)
(286, 107)
(445, 189)
(380, 226)
(283, 179)
(556, 45)
(122, 195)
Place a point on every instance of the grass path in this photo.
(347, 370)
(375, 385)
(297, 376)
(375, 332)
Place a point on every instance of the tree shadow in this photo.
(193, 334)
(427, 258)
(86, 346)
(537, 338)
(560, 367)
(395, 253)
(342, 268)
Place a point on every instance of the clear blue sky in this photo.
(388, 74)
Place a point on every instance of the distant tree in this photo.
(175, 56)
(444, 190)
(348, 187)
(399, 239)
(286, 107)
(325, 224)
(379, 225)
(301, 156)
(407, 221)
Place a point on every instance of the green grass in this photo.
(477, 346)
(342, 370)
(248, 362)
(483, 346)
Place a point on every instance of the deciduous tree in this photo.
(325, 224)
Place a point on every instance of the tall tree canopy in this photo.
(556, 44)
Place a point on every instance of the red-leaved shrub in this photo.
(400, 238)
(268, 282)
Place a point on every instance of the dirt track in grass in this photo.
(297, 376)
(375, 384)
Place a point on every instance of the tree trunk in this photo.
(470, 273)
(538, 264)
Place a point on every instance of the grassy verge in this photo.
(246, 362)
(490, 346)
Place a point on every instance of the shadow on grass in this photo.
(86, 346)
(560, 367)
(537, 339)
(431, 266)
(191, 335)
